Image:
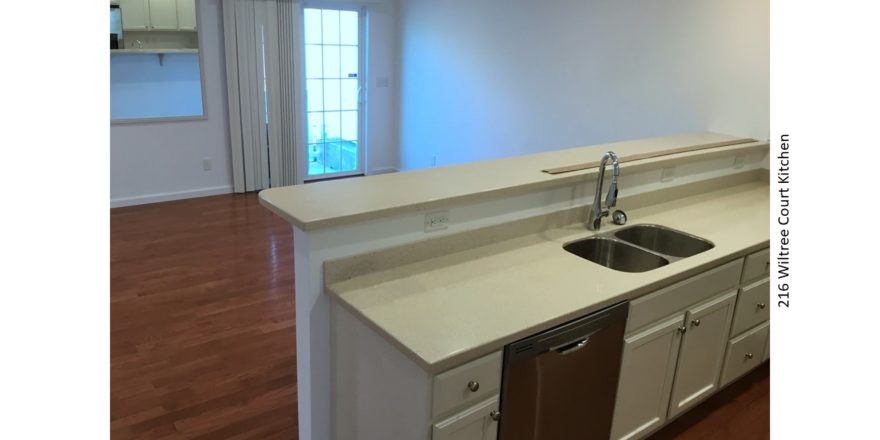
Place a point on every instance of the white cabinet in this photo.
(186, 15)
(752, 306)
(467, 384)
(158, 15)
(702, 352)
(163, 15)
(745, 352)
(135, 15)
(646, 375)
(474, 423)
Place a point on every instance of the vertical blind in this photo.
(260, 37)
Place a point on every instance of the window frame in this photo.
(363, 100)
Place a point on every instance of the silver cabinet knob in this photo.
(696, 322)
(495, 415)
(682, 329)
(761, 305)
(749, 355)
(473, 386)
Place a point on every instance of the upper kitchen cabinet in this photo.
(135, 15)
(158, 15)
(186, 15)
(163, 15)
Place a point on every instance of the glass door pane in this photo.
(332, 52)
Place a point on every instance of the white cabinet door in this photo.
(135, 15)
(163, 15)
(186, 15)
(646, 374)
(474, 423)
(702, 352)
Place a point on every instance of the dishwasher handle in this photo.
(573, 346)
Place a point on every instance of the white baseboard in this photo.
(165, 197)
(375, 171)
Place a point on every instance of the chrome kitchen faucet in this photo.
(597, 212)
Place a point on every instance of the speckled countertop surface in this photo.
(448, 310)
(365, 198)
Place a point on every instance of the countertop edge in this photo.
(465, 356)
(550, 182)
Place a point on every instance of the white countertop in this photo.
(151, 51)
(366, 198)
(448, 310)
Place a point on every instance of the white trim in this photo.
(386, 170)
(168, 196)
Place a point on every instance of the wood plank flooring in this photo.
(202, 321)
(203, 330)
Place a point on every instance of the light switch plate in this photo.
(667, 174)
(739, 162)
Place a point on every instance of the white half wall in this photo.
(489, 79)
(159, 161)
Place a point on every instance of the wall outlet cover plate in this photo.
(436, 221)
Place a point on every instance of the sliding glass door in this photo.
(334, 84)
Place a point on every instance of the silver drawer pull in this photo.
(495, 415)
(473, 386)
(682, 329)
(749, 355)
(696, 322)
(762, 305)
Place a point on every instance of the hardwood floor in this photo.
(202, 321)
(739, 412)
(203, 330)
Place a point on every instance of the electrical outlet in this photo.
(207, 165)
(739, 162)
(436, 221)
(667, 174)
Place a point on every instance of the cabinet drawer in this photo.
(745, 352)
(752, 306)
(668, 300)
(475, 423)
(452, 389)
(757, 266)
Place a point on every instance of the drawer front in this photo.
(757, 266)
(752, 306)
(745, 352)
(475, 423)
(668, 300)
(467, 384)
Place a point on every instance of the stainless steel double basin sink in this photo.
(638, 248)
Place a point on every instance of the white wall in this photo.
(152, 162)
(142, 87)
(488, 79)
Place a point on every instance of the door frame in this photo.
(302, 138)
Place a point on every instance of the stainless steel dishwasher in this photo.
(561, 384)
